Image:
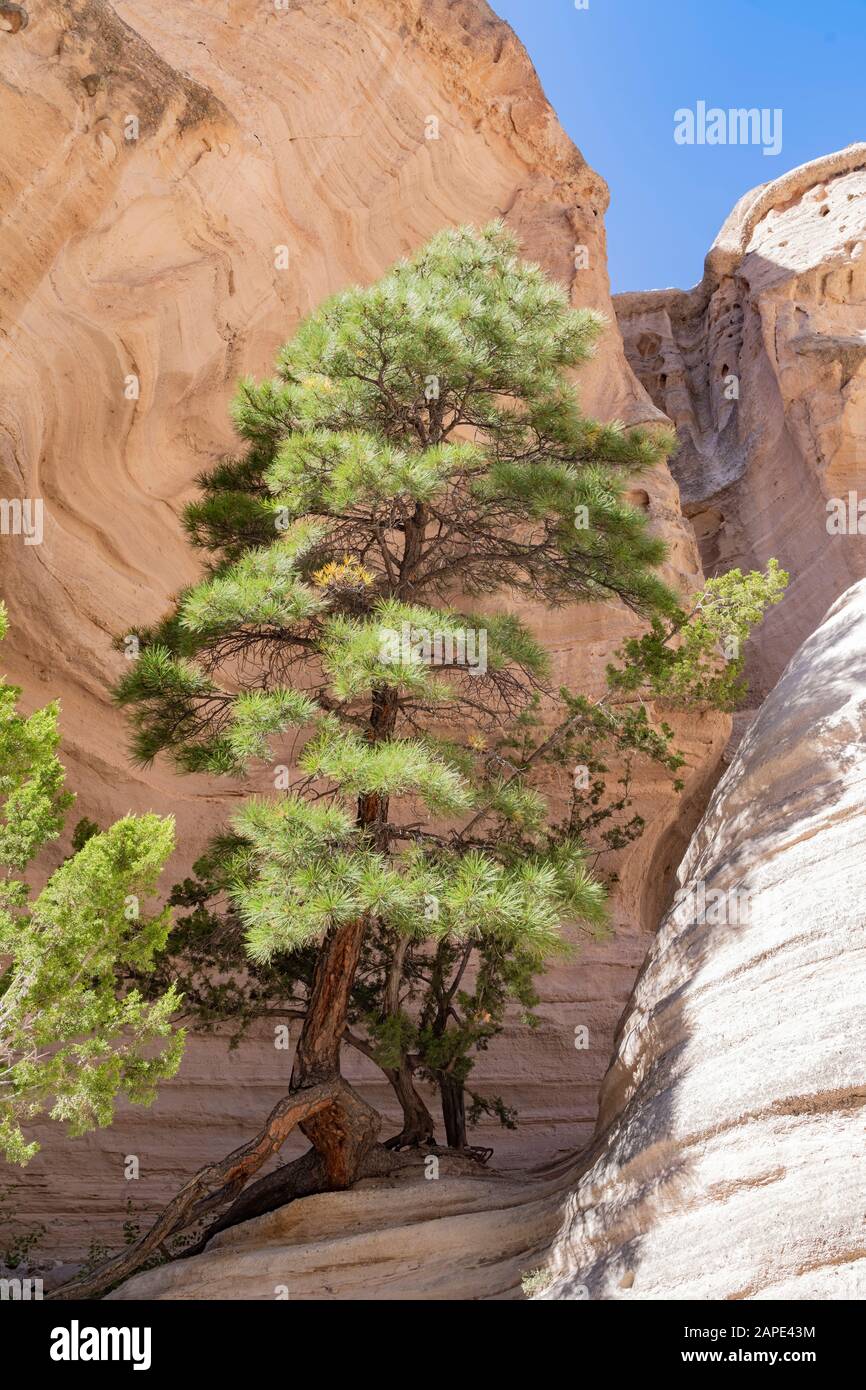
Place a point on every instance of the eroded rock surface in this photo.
(162, 155)
(730, 1163)
(404, 1239)
(762, 367)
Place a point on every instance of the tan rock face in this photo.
(728, 1162)
(167, 156)
(763, 369)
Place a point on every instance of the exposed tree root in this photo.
(302, 1178)
(306, 1176)
(213, 1186)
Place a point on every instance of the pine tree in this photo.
(419, 448)
(72, 1039)
(419, 441)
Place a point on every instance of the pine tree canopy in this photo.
(420, 445)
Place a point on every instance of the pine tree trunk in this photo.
(344, 1134)
(453, 1109)
(417, 1120)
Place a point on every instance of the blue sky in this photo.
(618, 71)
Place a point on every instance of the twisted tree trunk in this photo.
(342, 1133)
(212, 1187)
(418, 1123)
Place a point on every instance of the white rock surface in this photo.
(732, 1162)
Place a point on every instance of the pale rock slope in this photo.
(728, 1161)
(782, 310)
(157, 156)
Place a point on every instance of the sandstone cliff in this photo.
(728, 1163)
(168, 157)
(761, 367)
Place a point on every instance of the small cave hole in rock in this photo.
(648, 344)
(13, 18)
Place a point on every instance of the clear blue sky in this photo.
(617, 72)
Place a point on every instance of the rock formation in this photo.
(168, 160)
(728, 1160)
(761, 367)
(189, 181)
(730, 1164)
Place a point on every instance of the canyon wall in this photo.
(761, 367)
(166, 158)
(728, 1162)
